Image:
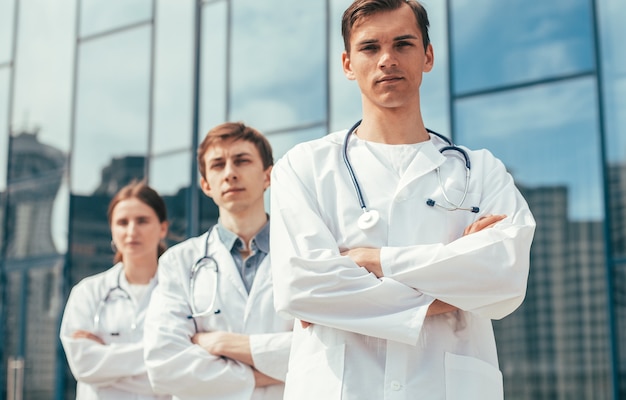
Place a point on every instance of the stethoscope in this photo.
(369, 218)
(207, 265)
(114, 293)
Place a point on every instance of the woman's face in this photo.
(136, 229)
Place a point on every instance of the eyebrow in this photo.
(238, 155)
(396, 39)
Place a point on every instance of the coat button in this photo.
(395, 385)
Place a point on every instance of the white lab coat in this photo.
(115, 370)
(370, 338)
(187, 371)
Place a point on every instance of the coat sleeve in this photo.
(89, 361)
(485, 272)
(270, 353)
(175, 365)
(313, 282)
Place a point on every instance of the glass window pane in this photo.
(542, 146)
(282, 142)
(278, 63)
(213, 77)
(37, 219)
(4, 134)
(173, 81)
(101, 15)
(170, 177)
(559, 334)
(112, 112)
(44, 305)
(508, 42)
(344, 93)
(43, 72)
(6, 30)
(434, 92)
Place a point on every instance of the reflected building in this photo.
(549, 347)
(36, 171)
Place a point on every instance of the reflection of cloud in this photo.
(546, 135)
(526, 111)
(510, 42)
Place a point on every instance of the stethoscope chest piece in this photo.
(368, 219)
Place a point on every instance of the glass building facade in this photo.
(95, 93)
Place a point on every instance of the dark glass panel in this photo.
(4, 123)
(509, 42)
(101, 15)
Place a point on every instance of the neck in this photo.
(392, 126)
(244, 226)
(140, 271)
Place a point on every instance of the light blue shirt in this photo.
(259, 248)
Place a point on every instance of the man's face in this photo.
(387, 58)
(235, 177)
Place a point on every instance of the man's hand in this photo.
(262, 380)
(225, 344)
(483, 223)
(80, 334)
(368, 258)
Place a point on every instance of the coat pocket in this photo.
(469, 378)
(318, 376)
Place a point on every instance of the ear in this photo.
(267, 177)
(164, 227)
(204, 185)
(429, 60)
(347, 66)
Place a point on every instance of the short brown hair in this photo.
(141, 191)
(235, 131)
(360, 9)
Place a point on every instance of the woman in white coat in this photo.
(102, 327)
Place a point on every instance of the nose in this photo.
(387, 60)
(230, 171)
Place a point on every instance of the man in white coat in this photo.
(392, 256)
(211, 330)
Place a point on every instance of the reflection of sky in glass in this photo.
(345, 95)
(546, 136)
(173, 77)
(4, 137)
(6, 29)
(213, 69)
(278, 63)
(169, 174)
(613, 31)
(97, 15)
(112, 110)
(282, 142)
(43, 71)
(505, 42)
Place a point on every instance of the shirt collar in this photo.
(261, 240)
